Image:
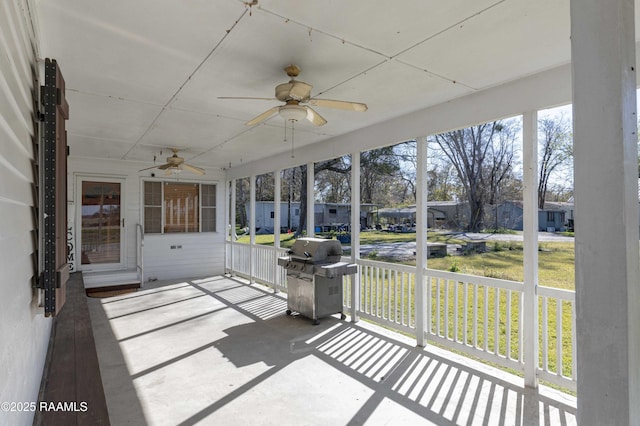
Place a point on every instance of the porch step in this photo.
(108, 279)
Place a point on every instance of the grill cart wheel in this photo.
(288, 312)
(343, 316)
(316, 321)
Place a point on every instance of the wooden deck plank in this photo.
(72, 374)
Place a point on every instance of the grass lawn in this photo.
(503, 260)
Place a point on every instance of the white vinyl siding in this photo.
(24, 331)
(201, 253)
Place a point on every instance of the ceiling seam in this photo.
(117, 98)
(352, 77)
(435, 74)
(448, 28)
(197, 68)
(310, 28)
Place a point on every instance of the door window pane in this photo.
(100, 241)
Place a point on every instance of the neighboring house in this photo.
(440, 214)
(554, 217)
(327, 216)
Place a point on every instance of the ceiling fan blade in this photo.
(315, 118)
(193, 169)
(148, 168)
(330, 103)
(247, 98)
(164, 166)
(262, 117)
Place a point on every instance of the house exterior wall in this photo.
(546, 223)
(200, 253)
(24, 331)
(510, 216)
(321, 213)
(264, 211)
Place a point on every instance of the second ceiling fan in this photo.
(293, 94)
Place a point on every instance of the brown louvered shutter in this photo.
(54, 145)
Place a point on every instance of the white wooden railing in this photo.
(257, 263)
(479, 316)
(140, 253)
(562, 304)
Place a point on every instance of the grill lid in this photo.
(316, 250)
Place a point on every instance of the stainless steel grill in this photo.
(314, 277)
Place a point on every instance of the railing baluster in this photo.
(367, 306)
(573, 339)
(395, 284)
(395, 298)
(465, 314)
(410, 302)
(475, 315)
(437, 300)
(496, 322)
(402, 303)
(508, 320)
(485, 329)
(378, 290)
(363, 288)
(559, 336)
(520, 327)
(446, 308)
(545, 335)
(456, 335)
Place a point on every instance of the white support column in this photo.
(232, 222)
(277, 189)
(227, 221)
(421, 240)
(311, 199)
(252, 226)
(606, 210)
(355, 234)
(530, 222)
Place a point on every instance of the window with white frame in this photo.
(171, 207)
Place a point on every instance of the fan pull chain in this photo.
(292, 155)
(285, 131)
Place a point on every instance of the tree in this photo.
(336, 165)
(333, 183)
(376, 167)
(242, 198)
(482, 157)
(556, 150)
(264, 187)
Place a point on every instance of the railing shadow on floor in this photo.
(429, 385)
(393, 382)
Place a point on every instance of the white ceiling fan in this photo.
(175, 165)
(293, 94)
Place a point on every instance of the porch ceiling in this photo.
(146, 75)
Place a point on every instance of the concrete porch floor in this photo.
(219, 351)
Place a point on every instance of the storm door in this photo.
(101, 224)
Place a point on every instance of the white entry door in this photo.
(100, 221)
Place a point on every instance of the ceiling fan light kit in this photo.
(295, 93)
(293, 112)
